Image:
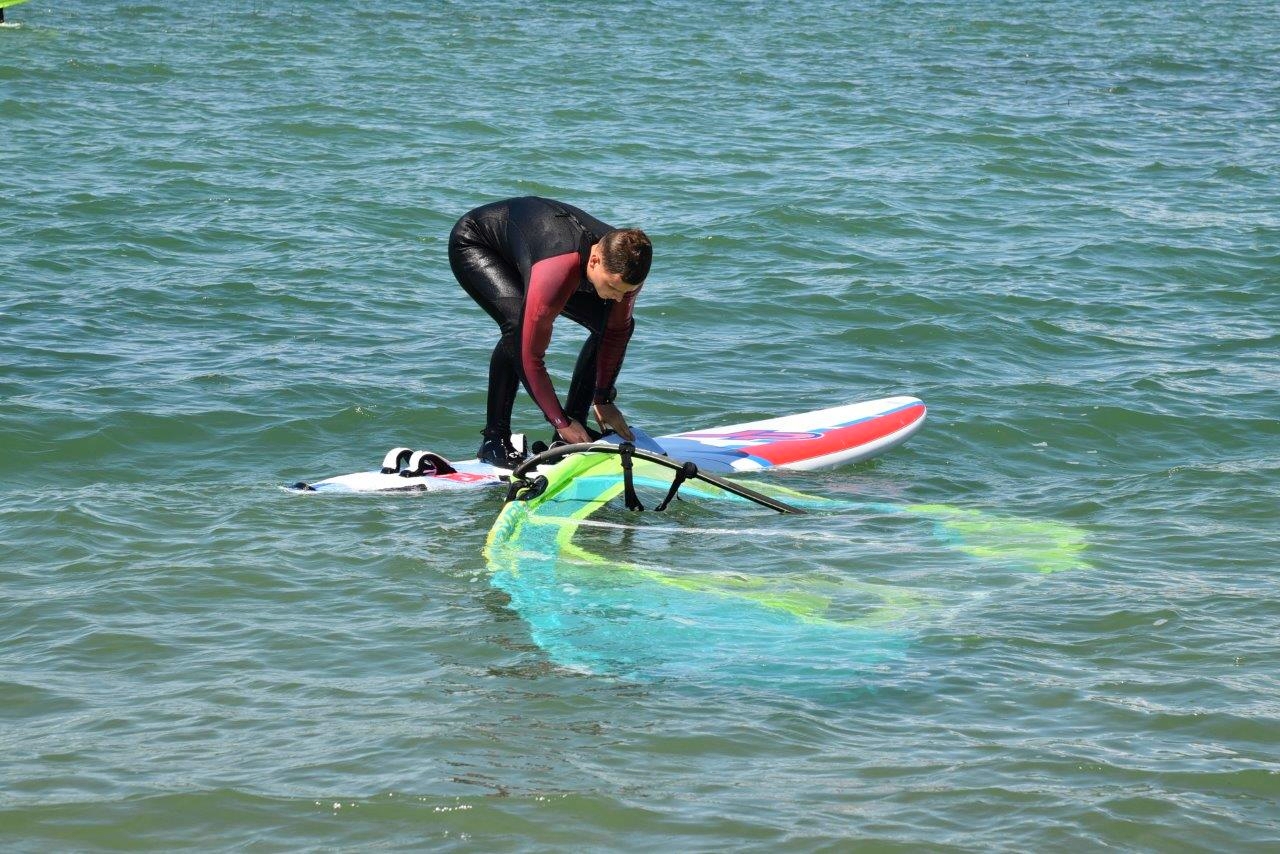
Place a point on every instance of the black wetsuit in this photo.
(524, 261)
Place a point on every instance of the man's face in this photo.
(608, 285)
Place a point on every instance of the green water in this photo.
(222, 268)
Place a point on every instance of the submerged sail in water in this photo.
(676, 610)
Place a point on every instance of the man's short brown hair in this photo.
(627, 251)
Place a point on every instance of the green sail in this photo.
(601, 613)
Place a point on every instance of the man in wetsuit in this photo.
(527, 261)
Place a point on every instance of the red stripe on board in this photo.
(840, 438)
(464, 476)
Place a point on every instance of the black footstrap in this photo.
(423, 463)
(625, 450)
(685, 472)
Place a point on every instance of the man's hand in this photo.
(608, 415)
(573, 433)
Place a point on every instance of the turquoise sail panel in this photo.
(640, 618)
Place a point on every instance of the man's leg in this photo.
(496, 287)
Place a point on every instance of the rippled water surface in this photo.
(222, 268)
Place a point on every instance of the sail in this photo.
(639, 611)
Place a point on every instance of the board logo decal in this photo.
(757, 436)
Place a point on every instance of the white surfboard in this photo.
(809, 440)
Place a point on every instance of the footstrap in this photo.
(423, 463)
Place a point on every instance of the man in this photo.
(527, 261)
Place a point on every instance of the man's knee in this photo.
(510, 344)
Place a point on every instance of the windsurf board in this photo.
(823, 438)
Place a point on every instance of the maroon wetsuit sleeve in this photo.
(551, 282)
(613, 345)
